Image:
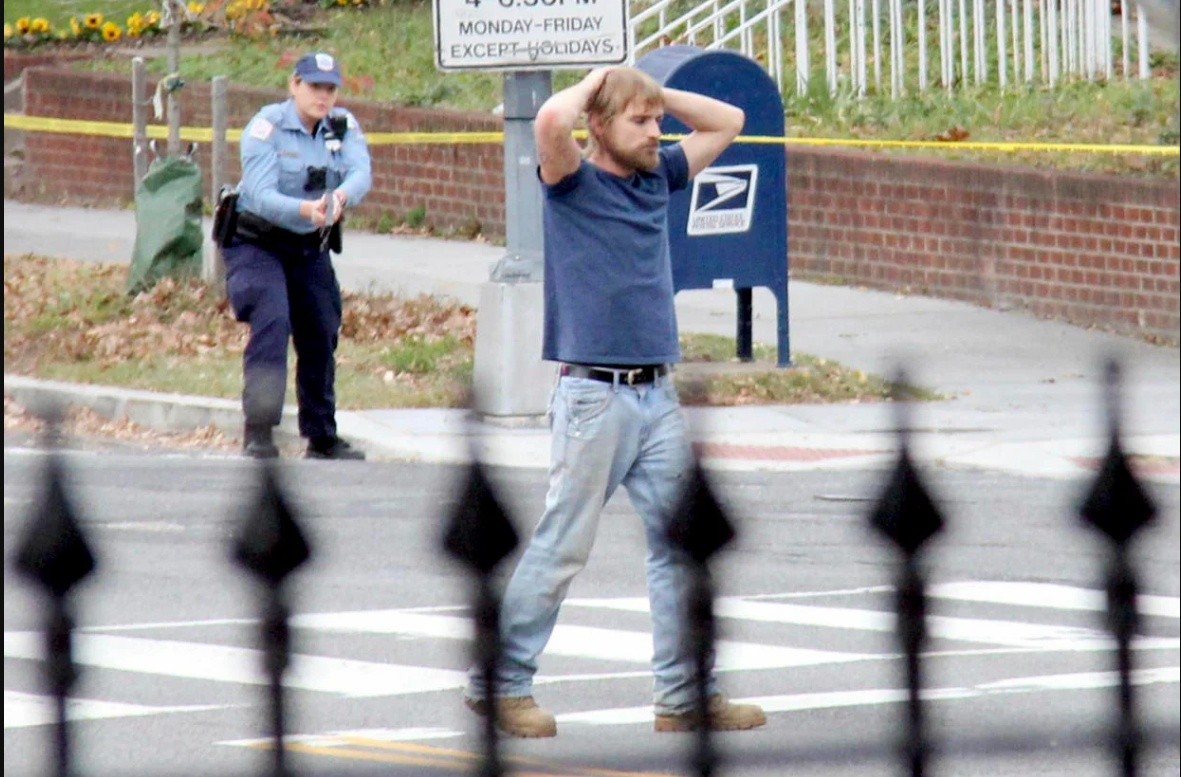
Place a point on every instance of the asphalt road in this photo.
(1018, 665)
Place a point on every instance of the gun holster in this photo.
(334, 236)
(225, 216)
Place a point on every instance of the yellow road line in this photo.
(408, 760)
(411, 747)
(414, 754)
(571, 771)
(205, 134)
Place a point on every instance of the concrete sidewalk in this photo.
(1026, 394)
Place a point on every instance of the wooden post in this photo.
(214, 269)
(139, 120)
(173, 71)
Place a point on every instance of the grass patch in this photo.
(1080, 112)
(710, 375)
(73, 321)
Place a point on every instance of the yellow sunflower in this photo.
(152, 19)
(93, 21)
(39, 25)
(111, 32)
(22, 25)
(8, 31)
(195, 8)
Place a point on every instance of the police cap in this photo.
(318, 68)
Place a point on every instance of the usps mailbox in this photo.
(729, 228)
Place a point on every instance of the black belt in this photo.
(628, 376)
(257, 230)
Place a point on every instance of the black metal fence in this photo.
(270, 544)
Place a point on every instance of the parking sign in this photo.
(530, 34)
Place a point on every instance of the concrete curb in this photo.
(154, 410)
(454, 436)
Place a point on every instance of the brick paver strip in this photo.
(1141, 465)
(776, 452)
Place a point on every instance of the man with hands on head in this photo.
(304, 161)
(615, 418)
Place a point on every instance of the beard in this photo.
(644, 158)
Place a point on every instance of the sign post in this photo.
(526, 39)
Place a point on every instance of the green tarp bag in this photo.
(168, 239)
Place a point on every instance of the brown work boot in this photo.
(517, 716)
(723, 716)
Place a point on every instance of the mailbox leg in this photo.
(784, 333)
(743, 338)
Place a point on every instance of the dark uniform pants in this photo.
(290, 293)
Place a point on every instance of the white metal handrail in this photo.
(1007, 42)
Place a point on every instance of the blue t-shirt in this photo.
(608, 280)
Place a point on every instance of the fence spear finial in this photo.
(699, 527)
(1119, 507)
(270, 545)
(908, 517)
(55, 555)
(479, 535)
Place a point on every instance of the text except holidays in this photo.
(516, 49)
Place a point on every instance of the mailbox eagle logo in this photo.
(723, 200)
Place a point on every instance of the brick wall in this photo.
(1095, 250)
(16, 63)
(460, 186)
(1092, 249)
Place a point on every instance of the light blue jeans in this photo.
(604, 436)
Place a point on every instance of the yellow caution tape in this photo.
(450, 138)
(107, 129)
(961, 145)
(205, 134)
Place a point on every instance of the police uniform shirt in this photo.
(277, 151)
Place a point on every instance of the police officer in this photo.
(304, 161)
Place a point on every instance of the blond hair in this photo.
(617, 91)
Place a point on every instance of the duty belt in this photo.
(257, 230)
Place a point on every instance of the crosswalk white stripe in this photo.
(573, 641)
(814, 701)
(221, 663)
(22, 710)
(1049, 595)
(409, 624)
(978, 630)
(798, 702)
(368, 679)
(156, 625)
(1041, 595)
(348, 738)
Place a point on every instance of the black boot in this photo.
(331, 448)
(258, 443)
